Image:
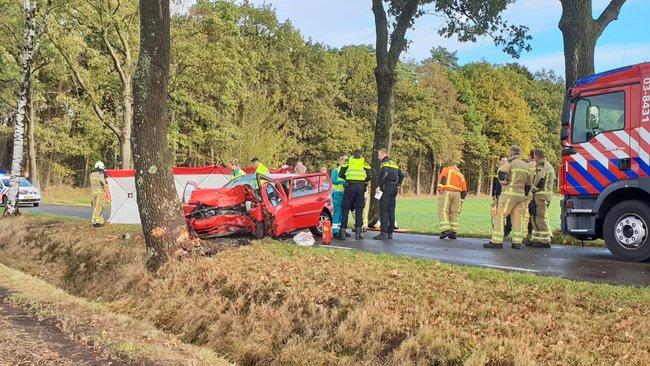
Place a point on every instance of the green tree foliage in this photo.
(244, 84)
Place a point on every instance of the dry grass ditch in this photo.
(273, 303)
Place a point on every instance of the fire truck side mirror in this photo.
(566, 112)
(564, 133)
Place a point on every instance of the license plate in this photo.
(29, 197)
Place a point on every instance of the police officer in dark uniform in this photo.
(356, 173)
(390, 178)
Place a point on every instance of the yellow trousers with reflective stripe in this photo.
(98, 202)
(541, 230)
(449, 205)
(513, 206)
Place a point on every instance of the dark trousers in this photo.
(387, 209)
(353, 196)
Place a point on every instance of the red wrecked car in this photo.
(261, 205)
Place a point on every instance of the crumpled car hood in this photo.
(222, 197)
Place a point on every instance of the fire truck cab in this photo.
(605, 172)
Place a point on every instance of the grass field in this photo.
(420, 214)
(63, 195)
(278, 304)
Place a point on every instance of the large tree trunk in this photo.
(580, 32)
(163, 225)
(418, 177)
(479, 183)
(386, 81)
(29, 7)
(31, 140)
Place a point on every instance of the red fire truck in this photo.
(605, 172)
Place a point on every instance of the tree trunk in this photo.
(479, 184)
(580, 33)
(386, 81)
(29, 7)
(31, 141)
(127, 124)
(418, 177)
(432, 186)
(164, 227)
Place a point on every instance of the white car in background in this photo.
(27, 193)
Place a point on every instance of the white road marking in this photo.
(335, 247)
(508, 268)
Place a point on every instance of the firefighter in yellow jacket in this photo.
(542, 191)
(453, 189)
(98, 186)
(515, 178)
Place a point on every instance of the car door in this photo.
(278, 214)
(305, 201)
(600, 141)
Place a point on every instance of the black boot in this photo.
(491, 245)
(358, 235)
(341, 235)
(528, 242)
(445, 234)
(515, 246)
(382, 236)
(452, 236)
(390, 236)
(537, 244)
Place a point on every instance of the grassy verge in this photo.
(64, 195)
(118, 335)
(273, 303)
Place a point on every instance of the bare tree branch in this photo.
(398, 38)
(608, 15)
(381, 29)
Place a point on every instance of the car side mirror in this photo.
(564, 133)
(189, 188)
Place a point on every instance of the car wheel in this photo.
(626, 231)
(259, 230)
(318, 230)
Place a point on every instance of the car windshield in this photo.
(23, 182)
(248, 179)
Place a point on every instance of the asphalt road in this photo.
(577, 263)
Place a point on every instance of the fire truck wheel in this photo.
(318, 230)
(259, 230)
(627, 231)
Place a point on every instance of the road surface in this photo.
(572, 262)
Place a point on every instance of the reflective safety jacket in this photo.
(389, 174)
(337, 182)
(262, 169)
(97, 182)
(451, 179)
(355, 170)
(544, 180)
(515, 177)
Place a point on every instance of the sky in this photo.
(350, 22)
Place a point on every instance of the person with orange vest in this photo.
(452, 188)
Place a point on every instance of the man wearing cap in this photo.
(516, 179)
(97, 186)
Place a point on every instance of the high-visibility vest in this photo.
(451, 179)
(262, 169)
(356, 169)
(337, 187)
